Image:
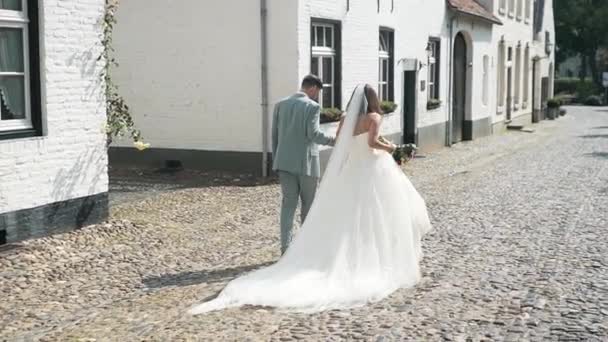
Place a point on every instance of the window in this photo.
(325, 61)
(517, 74)
(385, 66)
(528, 8)
(486, 65)
(19, 113)
(511, 8)
(434, 63)
(500, 87)
(520, 9)
(526, 77)
(502, 6)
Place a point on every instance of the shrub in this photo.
(581, 89)
(433, 104)
(554, 103)
(330, 115)
(388, 107)
(593, 100)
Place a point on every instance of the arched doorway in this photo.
(459, 87)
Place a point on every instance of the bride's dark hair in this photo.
(373, 103)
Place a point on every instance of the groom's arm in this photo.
(314, 132)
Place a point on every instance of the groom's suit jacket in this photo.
(295, 135)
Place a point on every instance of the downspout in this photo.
(264, 79)
(448, 127)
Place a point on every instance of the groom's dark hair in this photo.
(312, 81)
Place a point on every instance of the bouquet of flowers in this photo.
(403, 152)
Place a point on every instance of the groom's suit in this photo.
(295, 135)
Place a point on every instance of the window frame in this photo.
(517, 79)
(434, 63)
(527, 10)
(27, 21)
(501, 77)
(389, 58)
(526, 88)
(485, 80)
(323, 52)
(511, 8)
(520, 10)
(502, 7)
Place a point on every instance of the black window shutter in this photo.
(338, 66)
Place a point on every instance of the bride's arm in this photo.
(374, 140)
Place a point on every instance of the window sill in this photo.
(519, 18)
(527, 21)
(511, 15)
(18, 134)
(501, 11)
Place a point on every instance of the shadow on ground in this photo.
(136, 184)
(603, 155)
(200, 277)
(594, 136)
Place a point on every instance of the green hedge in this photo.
(581, 89)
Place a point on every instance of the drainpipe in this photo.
(264, 78)
(448, 127)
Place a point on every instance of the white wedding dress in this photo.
(360, 242)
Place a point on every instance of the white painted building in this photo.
(202, 79)
(53, 161)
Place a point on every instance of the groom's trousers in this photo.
(294, 187)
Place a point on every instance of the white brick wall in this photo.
(70, 160)
(412, 21)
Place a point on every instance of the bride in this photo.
(361, 239)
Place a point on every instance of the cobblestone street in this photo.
(519, 252)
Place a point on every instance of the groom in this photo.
(295, 135)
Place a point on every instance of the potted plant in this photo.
(553, 108)
(433, 104)
(388, 107)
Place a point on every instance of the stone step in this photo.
(521, 128)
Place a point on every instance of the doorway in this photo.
(459, 88)
(410, 135)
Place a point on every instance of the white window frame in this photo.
(528, 9)
(384, 56)
(486, 72)
(526, 96)
(501, 77)
(434, 45)
(511, 8)
(517, 81)
(322, 52)
(19, 20)
(520, 9)
(502, 7)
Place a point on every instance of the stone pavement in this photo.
(519, 252)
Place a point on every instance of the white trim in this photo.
(485, 92)
(383, 78)
(19, 20)
(323, 51)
